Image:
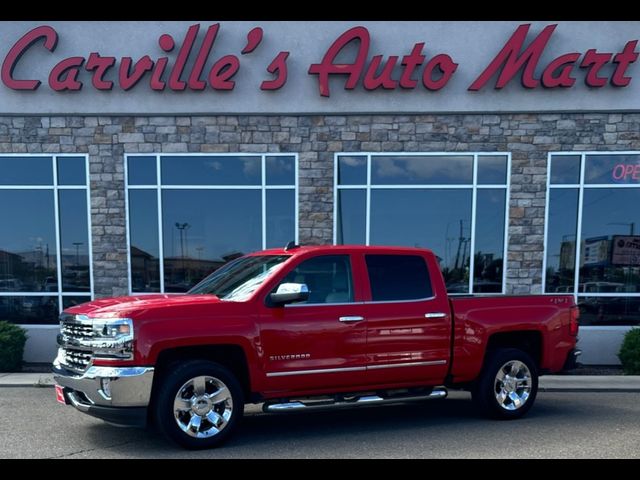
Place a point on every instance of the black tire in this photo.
(487, 387)
(181, 378)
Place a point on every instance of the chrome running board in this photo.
(345, 401)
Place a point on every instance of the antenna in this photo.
(290, 245)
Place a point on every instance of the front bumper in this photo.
(117, 395)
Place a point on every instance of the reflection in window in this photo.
(74, 241)
(143, 237)
(605, 220)
(204, 229)
(489, 241)
(436, 219)
(609, 310)
(411, 202)
(608, 240)
(352, 217)
(417, 170)
(211, 170)
(352, 170)
(565, 169)
(492, 169)
(32, 259)
(562, 224)
(234, 209)
(608, 169)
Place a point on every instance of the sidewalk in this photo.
(548, 383)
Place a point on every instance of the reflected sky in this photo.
(214, 170)
(423, 218)
(410, 170)
(26, 170)
(219, 222)
(28, 235)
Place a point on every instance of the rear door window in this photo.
(398, 277)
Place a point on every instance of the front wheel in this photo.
(508, 384)
(199, 404)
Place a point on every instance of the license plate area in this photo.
(60, 397)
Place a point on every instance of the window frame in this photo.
(581, 188)
(474, 186)
(159, 188)
(55, 187)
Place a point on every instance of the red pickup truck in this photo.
(304, 328)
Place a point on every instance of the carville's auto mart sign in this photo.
(280, 67)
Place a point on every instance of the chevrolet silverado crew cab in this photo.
(305, 328)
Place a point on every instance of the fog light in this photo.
(105, 383)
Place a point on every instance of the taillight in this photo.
(573, 325)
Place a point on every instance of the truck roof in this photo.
(342, 249)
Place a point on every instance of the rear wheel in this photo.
(508, 384)
(199, 404)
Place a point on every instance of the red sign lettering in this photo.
(558, 72)
(626, 172)
(185, 70)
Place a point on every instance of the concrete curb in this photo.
(548, 383)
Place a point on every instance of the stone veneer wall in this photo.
(529, 137)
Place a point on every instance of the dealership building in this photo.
(137, 157)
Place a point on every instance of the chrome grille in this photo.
(76, 359)
(76, 330)
(73, 332)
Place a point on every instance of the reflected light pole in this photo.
(182, 227)
(77, 245)
(631, 225)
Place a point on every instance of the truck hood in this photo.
(129, 305)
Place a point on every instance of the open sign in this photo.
(626, 172)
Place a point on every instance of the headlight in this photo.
(113, 328)
(113, 338)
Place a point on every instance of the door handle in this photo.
(351, 319)
(435, 315)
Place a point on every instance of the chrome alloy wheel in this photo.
(512, 385)
(203, 406)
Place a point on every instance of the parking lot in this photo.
(561, 425)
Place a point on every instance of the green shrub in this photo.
(12, 340)
(630, 352)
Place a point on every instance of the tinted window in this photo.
(561, 240)
(26, 171)
(623, 169)
(71, 171)
(29, 310)
(141, 170)
(214, 170)
(28, 260)
(74, 240)
(565, 169)
(352, 170)
(398, 277)
(281, 217)
(143, 235)
(328, 278)
(204, 229)
(439, 219)
(352, 217)
(492, 169)
(409, 170)
(489, 244)
(280, 170)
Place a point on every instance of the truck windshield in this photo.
(238, 279)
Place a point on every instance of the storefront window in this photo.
(595, 220)
(428, 201)
(205, 211)
(45, 251)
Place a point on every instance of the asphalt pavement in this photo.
(560, 425)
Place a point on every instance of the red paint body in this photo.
(310, 337)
